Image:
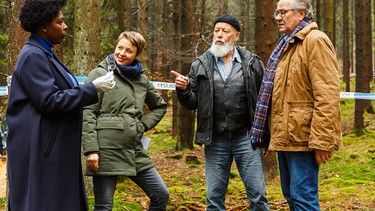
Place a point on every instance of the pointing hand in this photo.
(182, 82)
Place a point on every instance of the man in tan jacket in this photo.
(299, 101)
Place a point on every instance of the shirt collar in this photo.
(45, 43)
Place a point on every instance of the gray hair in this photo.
(303, 5)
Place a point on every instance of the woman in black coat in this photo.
(44, 117)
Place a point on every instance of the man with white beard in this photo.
(223, 85)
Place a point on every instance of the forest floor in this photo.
(347, 181)
(181, 178)
(2, 176)
(3, 180)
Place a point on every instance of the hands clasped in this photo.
(104, 83)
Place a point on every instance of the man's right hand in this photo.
(182, 82)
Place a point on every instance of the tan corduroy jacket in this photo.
(305, 112)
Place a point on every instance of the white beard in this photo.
(221, 50)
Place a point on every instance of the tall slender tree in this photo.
(223, 7)
(163, 50)
(4, 31)
(142, 14)
(318, 12)
(329, 19)
(245, 27)
(346, 58)
(265, 29)
(153, 36)
(264, 43)
(203, 30)
(124, 14)
(352, 42)
(86, 48)
(363, 57)
(186, 127)
(176, 64)
(373, 40)
(17, 36)
(87, 52)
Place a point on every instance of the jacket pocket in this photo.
(299, 121)
(110, 132)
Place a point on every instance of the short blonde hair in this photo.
(135, 38)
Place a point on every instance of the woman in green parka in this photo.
(113, 127)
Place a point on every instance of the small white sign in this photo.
(164, 85)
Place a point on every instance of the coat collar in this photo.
(305, 31)
(59, 66)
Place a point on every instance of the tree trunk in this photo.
(363, 57)
(373, 44)
(265, 29)
(4, 40)
(17, 36)
(144, 29)
(87, 53)
(163, 50)
(346, 58)
(86, 49)
(153, 38)
(244, 39)
(264, 43)
(176, 11)
(329, 19)
(352, 33)
(124, 14)
(186, 127)
(202, 29)
(223, 7)
(318, 14)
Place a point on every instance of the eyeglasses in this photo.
(282, 13)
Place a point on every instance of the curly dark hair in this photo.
(35, 13)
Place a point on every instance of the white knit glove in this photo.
(104, 83)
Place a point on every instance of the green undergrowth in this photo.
(347, 181)
(350, 174)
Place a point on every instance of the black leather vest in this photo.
(231, 109)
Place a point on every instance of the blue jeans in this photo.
(299, 180)
(218, 161)
(149, 180)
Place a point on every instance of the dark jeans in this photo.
(149, 180)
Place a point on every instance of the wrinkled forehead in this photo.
(283, 4)
(224, 25)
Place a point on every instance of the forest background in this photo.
(177, 31)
